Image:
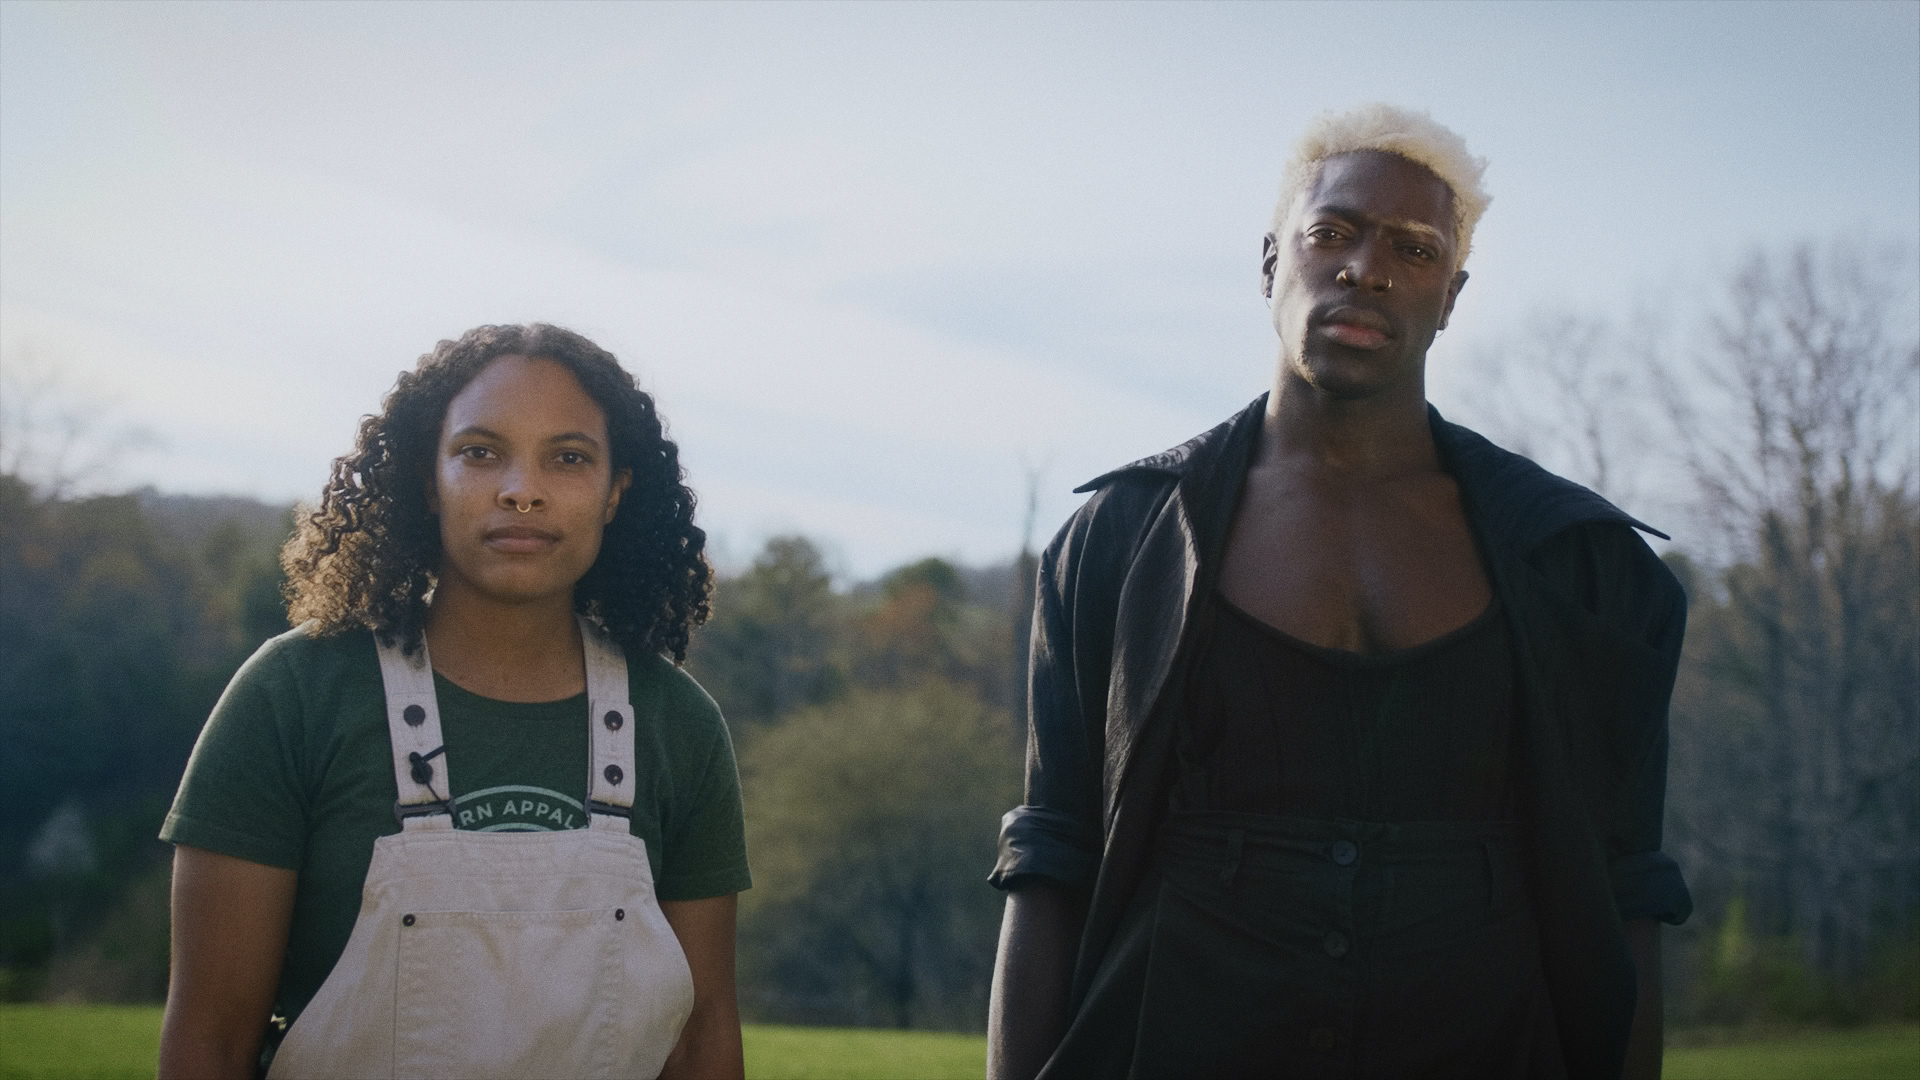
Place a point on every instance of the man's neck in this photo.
(1377, 437)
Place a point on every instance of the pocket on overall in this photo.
(1238, 974)
(516, 993)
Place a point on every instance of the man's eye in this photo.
(572, 457)
(1324, 233)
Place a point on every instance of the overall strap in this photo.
(610, 779)
(413, 729)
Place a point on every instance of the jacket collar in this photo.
(1513, 499)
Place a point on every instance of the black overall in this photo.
(1338, 888)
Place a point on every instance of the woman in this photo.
(467, 819)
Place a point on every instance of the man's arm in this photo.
(230, 920)
(1032, 979)
(709, 1044)
(1646, 1046)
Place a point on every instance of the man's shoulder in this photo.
(1514, 500)
(1568, 533)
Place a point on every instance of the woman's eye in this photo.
(475, 453)
(572, 457)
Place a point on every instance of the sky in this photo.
(881, 264)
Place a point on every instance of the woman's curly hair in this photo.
(369, 554)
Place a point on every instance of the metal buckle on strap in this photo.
(598, 807)
(403, 811)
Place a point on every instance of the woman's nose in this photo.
(518, 495)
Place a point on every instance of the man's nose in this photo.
(1367, 269)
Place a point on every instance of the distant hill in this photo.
(191, 519)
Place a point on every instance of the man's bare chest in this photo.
(1368, 569)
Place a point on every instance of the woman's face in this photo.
(523, 483)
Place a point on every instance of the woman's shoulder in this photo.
(306, 647)
(304, 661)
(684, 715)
(655, 678)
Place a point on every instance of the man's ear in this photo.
(622, 480)
(1269, 262)
(1453, 293)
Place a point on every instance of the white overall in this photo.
(510, 954)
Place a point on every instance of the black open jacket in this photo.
(1596, 622)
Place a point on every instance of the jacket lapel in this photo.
(1176, 566)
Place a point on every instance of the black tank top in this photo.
(1276, 725)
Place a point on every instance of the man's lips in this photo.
(1356, 328)
(520, 539)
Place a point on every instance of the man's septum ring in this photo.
(1345, 277)
(523, 509)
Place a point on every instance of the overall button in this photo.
(614, 720)
(1336, 944)
(406, 920)
(1343, 852)
(619, 913)
(613, 774)
(1322, 1039)
(414, 715)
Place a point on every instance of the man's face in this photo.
(1361, 277)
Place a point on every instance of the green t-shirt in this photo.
(294, 769)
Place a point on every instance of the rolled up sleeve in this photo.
(1038, 842)
(1056, 833)
(1648, 885)
(1631, 590)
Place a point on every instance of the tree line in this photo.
(1781, 436)
(879, 725)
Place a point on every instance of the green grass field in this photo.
(115, 1042)
(1891, 1052)
(106, 1042)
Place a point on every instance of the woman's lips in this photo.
(520, 540)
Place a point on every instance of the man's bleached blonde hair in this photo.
(1415, 136)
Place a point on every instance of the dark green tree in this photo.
(872, 822)
(774, 641)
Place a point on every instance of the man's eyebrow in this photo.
(1418, 228)
(1408, 225)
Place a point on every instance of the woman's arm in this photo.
(709, 1046)
(230, 920)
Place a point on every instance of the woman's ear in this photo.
(622, 480)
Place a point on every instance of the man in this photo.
(1348, 745)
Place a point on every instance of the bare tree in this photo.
(1026, 569)
(1571, 391)
(58, 441)
(1798, 729)
(1785, 428)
